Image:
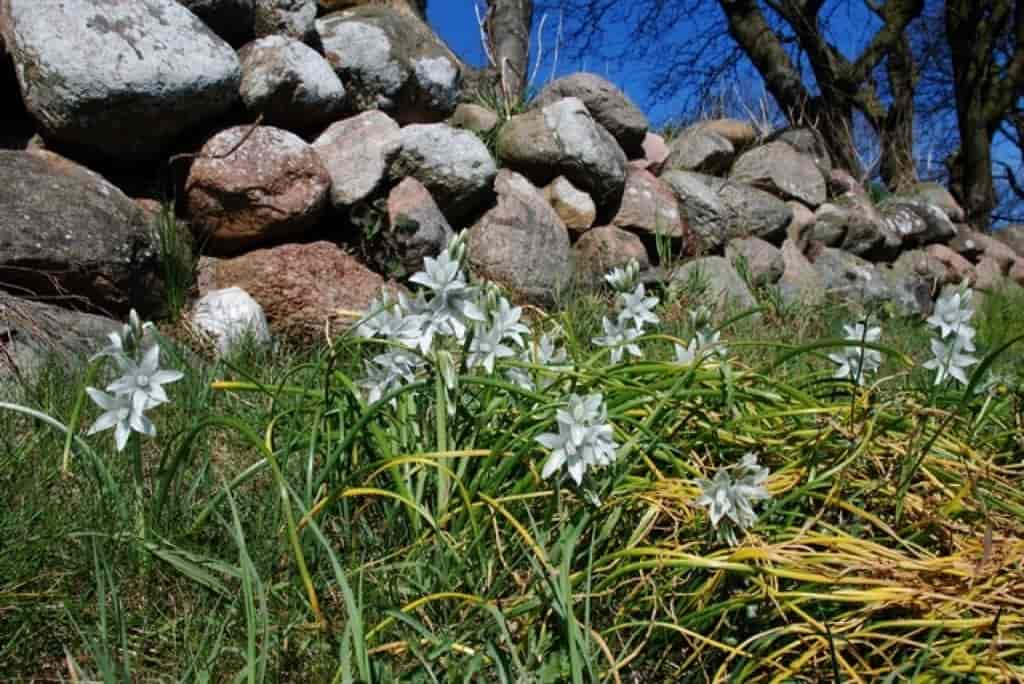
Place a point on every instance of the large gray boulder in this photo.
(701, 149)
(453, 164)
(850, 278)
(358, 152)
(392, 61)
(719, 282)
(521, 243)
(232, 20)
(33, 333)
(781, 170)
(851, 223)
(808, 142)
(290, 18)
(120, 79)
(938, 196)
(290, 84)
(609, 106)
(719, 210)
(563, 139)
(917, 222)
(762, 261)
(70, 236)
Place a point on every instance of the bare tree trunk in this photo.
(508, 34)
(896, 131)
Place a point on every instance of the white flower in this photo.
(541, 353)
(452, 303)
(506, 321)
(948, 360)
(637, 308)
(145, 379)
(732, 500)
(487, 346)
(391, 321)
(125, 343)
(123, 412)
(688, 354)
(622, 279)
(619, 338)
(857, 362)
(388, 371)
(584, 438)
(952, 312)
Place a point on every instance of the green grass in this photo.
(427, 548)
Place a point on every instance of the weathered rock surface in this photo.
(290, 18)
(700, 149)
(850, 278)
(801, 227)
(975, 245)
(228, 317)
(850, 222)
(938, 196)
(763, 261)
(650, 206)
(575, 207)
(609, 106)
(418, 228)
(290, 84)
(800, 282)
(474, 117)
(563, 139)
(655, 153)
(32, 333)
(958, 269)
(272, 185)
(780, 169)
(110, 77)
(232, 20)
(392, 61)
(810, 143)
(68, 235)
(358, 153)
(740, 134)
(917, 222)
(601, 249)
(453, 164)
(723, 287)
(300, 286)
(521, 243)
(719, 210)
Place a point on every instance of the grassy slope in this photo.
(893, 543)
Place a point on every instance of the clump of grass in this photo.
(425, 545)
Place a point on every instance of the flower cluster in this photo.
(137, 390)
(541, 353)
(706, 340)
(955, 336)
(636, 310)
(730, 499)
(584, 438)
(857, 362)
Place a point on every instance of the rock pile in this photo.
(361, 143)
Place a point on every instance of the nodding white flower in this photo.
(388, 371)
(486, 346)
(506, 321)
(390, 320)
(857, 362)
(952, 312)
(145, 379)
(700, 317)
(730, 500)
(623, 278)
(637, 308)
(949, 360)
(619, 338)
(584, 438)
(125, 343)
(452, 303)
(688, 354)
(541, 353)
(123, 412)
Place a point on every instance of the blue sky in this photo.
(455, 21)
